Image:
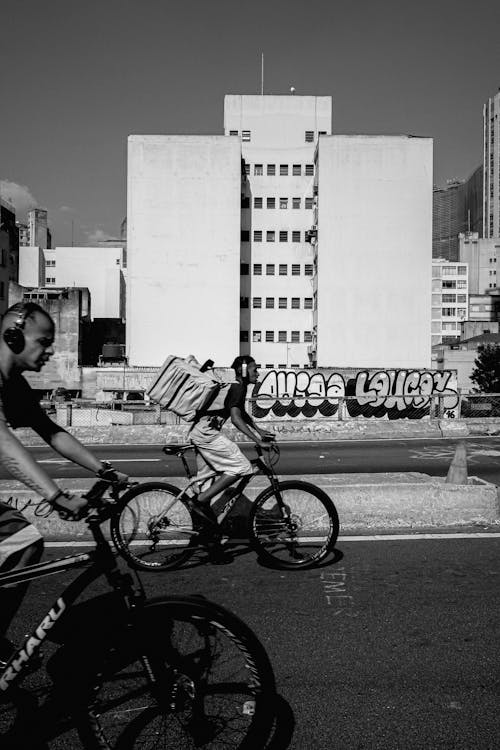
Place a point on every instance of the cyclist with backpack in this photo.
(26, 344)
(215, 451)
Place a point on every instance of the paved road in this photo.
(428, 456)
(396, 646)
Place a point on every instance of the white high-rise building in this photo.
(491, 167)
(278, 137)
(450, 300)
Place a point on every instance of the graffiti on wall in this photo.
(390, 394)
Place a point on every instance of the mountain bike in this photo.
(175, 671)
(291, 524)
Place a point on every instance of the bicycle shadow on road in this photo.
(284, 725)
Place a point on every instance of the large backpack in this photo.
(182, 388)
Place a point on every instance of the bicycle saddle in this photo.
(174, 449)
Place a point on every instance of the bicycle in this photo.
(292, 524)
(177, 670)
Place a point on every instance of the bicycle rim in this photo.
(299, 534)
(215, 685)
(154, 529)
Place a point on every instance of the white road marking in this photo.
(114, 460)
(372, 538)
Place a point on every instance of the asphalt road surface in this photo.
(394, 646)
(423, 455)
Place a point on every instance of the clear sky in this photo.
(79, 76)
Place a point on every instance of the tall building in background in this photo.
(491, 165)
(39, 234)
(456, 208)
(24, 234)
(278, 136)
(450, 300)
(482, 257)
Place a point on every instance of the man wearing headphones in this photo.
(26, 344)
(215, 451)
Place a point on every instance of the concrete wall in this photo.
(482, 258)
(374, 251)
(31, 266)
(183, 246)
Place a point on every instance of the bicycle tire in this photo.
(299, 537)
(215, 686)
(133, 530)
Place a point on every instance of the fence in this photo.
(265, 408)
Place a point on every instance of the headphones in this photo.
(14, 336)
(244, 369)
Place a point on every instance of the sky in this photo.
(78, 77)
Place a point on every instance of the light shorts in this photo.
(217, 452)
(16, 532)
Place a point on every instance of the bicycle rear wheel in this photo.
(295, 526)
(146, 536)
(213, 683)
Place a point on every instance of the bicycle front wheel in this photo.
(189, 675)
(153, 528)
(294, 526)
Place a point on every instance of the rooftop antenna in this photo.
(262, 74)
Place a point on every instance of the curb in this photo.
(364, 501)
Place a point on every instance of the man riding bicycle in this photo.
(26, 344)
(215, 451)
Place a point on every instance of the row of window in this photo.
(50, 263)
(454, 284)
(283, 235)
(50, 280)
(454, 270)
(246, 135)
(283, 203)
(284, 170)
(281, 338)
(271, 269)
(460, 298)
(454, 312)
(282, 303)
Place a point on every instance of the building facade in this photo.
(38, 231)
(481, 256)
(278, 136)
(491, 166)
(450, 300)
(456, 208)
(9, 252)
(372, 259)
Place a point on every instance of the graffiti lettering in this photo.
(393, 394)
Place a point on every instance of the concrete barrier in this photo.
(364, 502)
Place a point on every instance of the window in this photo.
(283, 202)
(50, 280)
(295, 202)
(321, 132)
(257, 202)
(462, 312)
(270, 236)
(269, 366)
(309, 136)
(246, 135)
(449, 297)
(449, 284)
(295, 337)
(283, 269)
(281, 335)
(283, 236)
(244, 269)
(244, 337)
(449, 312)
(283, 170)
(296, 236)
(233, 132)
(309, 170)
(307, 336)
(308, 202)
(258, 169)
(257, 337)
(461, 284)
(243, 302)
(269, 303)
(270, 269)
(296, 170)
(257, 235)
(295, 269)
(462, 270)
(271, 203)
(271, 170)
(449, 271)
(257, 269)
(52, 263)
(308, 269)
(282, 303)
(295, 303)
(245, 235)
(270, 336)
(461, 298)
(247, 168)
(257, 303)
(308, 303)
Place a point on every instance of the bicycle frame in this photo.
(103, 563)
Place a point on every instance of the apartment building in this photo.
(457, 207)
(450, 300)
(278, 136)
(491, 167)
(9, 252)
(481, 256)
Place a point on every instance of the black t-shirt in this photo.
(19, 407)
(235, 397)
